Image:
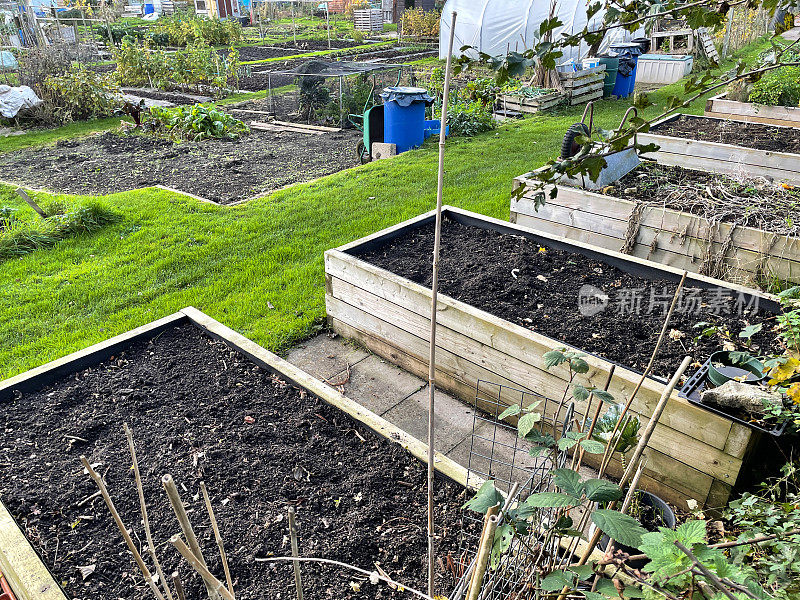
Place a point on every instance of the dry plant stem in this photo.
(186, 526)
(327, 561)
(222, 555)
(298, 582)
(637, 455)
(434, 299)
(646, 371)
(176, 581)
(484, 549)
(122, 529)
(212, 583)
(706, 573)
(151, 547)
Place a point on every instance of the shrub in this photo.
(468, 118)
(183, 29)
(417, 22)
(358, 37)
(198, 67)
(80, 94)
(780, 87)
(193, 123)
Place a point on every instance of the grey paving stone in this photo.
(324, 357)
(378, 385)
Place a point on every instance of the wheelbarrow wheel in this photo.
(363, 155)
(569, 147)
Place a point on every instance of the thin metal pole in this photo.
(328, 24)
(434, 300)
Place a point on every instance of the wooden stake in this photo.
(150, 545)
(434, 299)
(186, 526)
(122, 529)
(22, 194)
(298, 583)
(217, 537)
(484, 550)
(176, 581)
(212, 583)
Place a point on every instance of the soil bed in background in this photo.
(201, 411)
(748, 202)
(261, 52)
(539, 288)
(738, 133)
(218, 170)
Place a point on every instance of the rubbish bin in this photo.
(612, 65)
(628, 53)
(149, 9)
(404, 116)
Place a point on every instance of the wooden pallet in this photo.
(707, 43)
(582, 86)
(527, 105)
(370, 19)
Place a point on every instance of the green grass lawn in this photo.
(257, 267)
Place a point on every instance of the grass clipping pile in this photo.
(204, 413)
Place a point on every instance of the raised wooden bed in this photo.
(26, 572)
(693, 453)
(721, 107)
(670, 237)
(585, 85)
(527, 105)
(721, 158)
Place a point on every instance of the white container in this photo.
(590, 63)
(663, 68)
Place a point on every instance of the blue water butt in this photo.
(404, 116)
(149, 9)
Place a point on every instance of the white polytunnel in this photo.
(497, 27)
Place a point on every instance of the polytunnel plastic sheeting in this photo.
(496, 27)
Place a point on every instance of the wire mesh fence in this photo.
(498, 454)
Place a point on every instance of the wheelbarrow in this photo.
(370, 122)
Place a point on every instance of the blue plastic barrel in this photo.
(149, 9)
(404, 116)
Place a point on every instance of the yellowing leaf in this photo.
(781, 373)
(794, 393)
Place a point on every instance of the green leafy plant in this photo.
(184, 29)
(780, 87)
(80, 94)
(626, 436)
(468, 118)
(195, 123)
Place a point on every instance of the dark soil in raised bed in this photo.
(203, 412)
(738, 133)
(262, 52)
(539, 288)
(218, 170)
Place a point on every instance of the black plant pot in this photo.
(667, 519)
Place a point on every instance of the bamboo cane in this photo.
(484, 550)
(434, 300)
(186, 526)
(212, 583)
(298, 583)
(151, 547)
(222, 555)
(122, 529)
(643, 441)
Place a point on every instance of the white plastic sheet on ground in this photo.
(14, 99)
(496, 27)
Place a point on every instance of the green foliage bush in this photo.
(193, 123)
(199, 67)
(79, 94)
(470, 117)
(183, 29)
(780, 87)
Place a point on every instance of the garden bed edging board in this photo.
(722, 108)
(694, 454)
(670, 237)
(28, 575)
(715, 157)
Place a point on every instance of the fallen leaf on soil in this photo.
(249, 419)
(87, 570)
(541, 278)
(300, 473)
(675, 334)
(356, 587)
